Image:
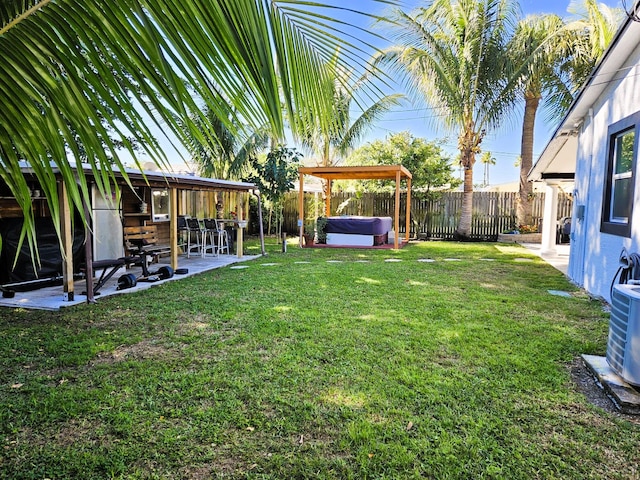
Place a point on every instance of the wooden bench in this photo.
(142, 241)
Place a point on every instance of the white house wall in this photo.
(594, 255)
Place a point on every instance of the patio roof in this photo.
(374, 172)
(154, 178)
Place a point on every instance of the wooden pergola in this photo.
(376, 172)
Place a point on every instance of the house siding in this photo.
(594, 258)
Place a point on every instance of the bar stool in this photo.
(194, 229)
(209, 234)
(223, 238)
(183, 231)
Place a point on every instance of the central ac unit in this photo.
(623, 346)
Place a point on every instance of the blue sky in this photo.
(504, 144)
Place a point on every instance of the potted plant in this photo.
(321, 227)
(309, 234)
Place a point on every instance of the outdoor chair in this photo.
(183, 231)
(194, 236)
(223, 238)
(210, 236)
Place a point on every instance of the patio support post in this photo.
(327, 201)
(408, 211)
(550, 219)
(260, 227)
(67, 242)
(239, 245)
(173, 226)
(397, 212)
(88, 254)
(301, 210)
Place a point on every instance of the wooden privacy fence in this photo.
(493, 212)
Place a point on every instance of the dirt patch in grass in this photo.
(201, 472)
(146, 349)
(67, 434)
(586, 384)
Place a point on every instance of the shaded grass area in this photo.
(328, 364)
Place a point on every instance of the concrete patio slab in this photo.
(559, 259)
(52, 298)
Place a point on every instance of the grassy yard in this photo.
(317, 364)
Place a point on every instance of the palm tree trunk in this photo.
(525, 191)
(469, 142)
(463, 232)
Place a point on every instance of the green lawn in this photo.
(348, 366)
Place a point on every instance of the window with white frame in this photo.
(620, 177)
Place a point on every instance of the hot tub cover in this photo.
(359, 225)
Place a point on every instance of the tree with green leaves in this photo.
(163, 55)
(224, 153)
(591, 28)
(453, 55)
(538, 44)
(431, 169)
(274, 177)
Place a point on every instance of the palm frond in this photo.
(77, 74)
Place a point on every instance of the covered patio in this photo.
(69, 269)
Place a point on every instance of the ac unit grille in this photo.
(618, 330)
(624, 333)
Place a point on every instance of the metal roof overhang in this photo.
(559, 155)
(167, 179)
(187, 182)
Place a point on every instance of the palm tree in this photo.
(335, 139)
(74, 72)
(224, 153)
(538, 44)
(558, 59)
(487, 160)
(453, 55)
(592, 31)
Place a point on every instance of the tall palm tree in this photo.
(77, 71)
(487, 160)
(558, 57)
(593, 28)
(538, 44)
(453, 55)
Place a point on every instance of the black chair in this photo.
(210, 237)
(194, 232)
(183, 231)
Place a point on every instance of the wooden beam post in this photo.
(67, 242)
(88, 251)
(408, 210)
(397, 212)
(173, 226)
(301, 210)
(327, 200)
